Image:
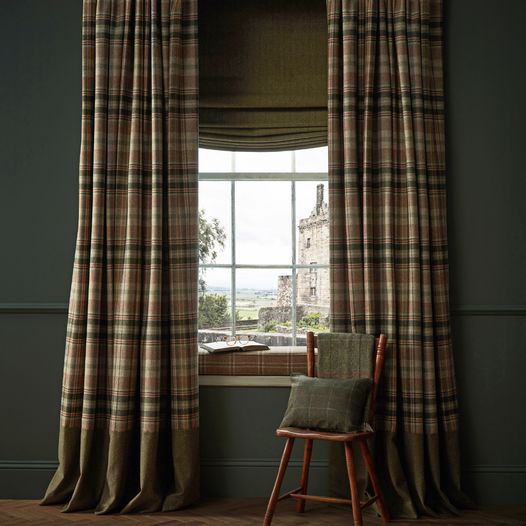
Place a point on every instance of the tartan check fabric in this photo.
(387, 184)
(130, 386)
(388, 236)
(346, 355)
(131, 336)
(327, 404)
(281, 361)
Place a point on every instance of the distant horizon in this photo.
(226, 287)
(246, 279)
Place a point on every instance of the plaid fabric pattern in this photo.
(345, 355)
(276, 362)
(334, 404)
(387, 185)
(132, 329)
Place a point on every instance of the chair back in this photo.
(377, 366)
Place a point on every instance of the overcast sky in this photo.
(263, 211)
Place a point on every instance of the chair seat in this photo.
(297, 432)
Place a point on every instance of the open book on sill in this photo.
(224, 347)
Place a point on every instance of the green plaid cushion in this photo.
(328, 404)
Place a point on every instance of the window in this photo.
(259, 211)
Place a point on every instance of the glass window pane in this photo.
(312, 300)
(312, 160)
(263, 223)
(215, 232)
(264, 305)
(313, 291)
(312, 223)
(214, 161)
(263, 162)
(215, 300)
(264, 237)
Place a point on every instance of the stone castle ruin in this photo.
(313, 243)
(312, 283)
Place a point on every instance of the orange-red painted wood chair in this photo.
(291, 433)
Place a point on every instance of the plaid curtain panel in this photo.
(129, 414)
(389, 260)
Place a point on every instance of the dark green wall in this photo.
(39, 144)
(486, 83)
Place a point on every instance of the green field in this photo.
(249, 301)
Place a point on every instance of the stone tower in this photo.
(313, 247)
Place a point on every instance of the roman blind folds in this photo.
(262, 74)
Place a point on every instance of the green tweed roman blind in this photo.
(262, 74)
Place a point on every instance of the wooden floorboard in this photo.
(236, 512)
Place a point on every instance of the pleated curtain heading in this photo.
(262, 74)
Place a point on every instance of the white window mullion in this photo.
(262, 176)
(293, 232)
(233, 234)
(248, 266)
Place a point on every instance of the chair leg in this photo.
(279, 480)
(307, 454)
(364, 448)
(355, 497)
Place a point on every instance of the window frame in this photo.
(293, 177)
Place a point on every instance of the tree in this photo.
(213, 311)
(310, 320)
(211, 237)
(213, 308)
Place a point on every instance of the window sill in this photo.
(272, 367)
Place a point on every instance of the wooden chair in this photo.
(291, 433)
